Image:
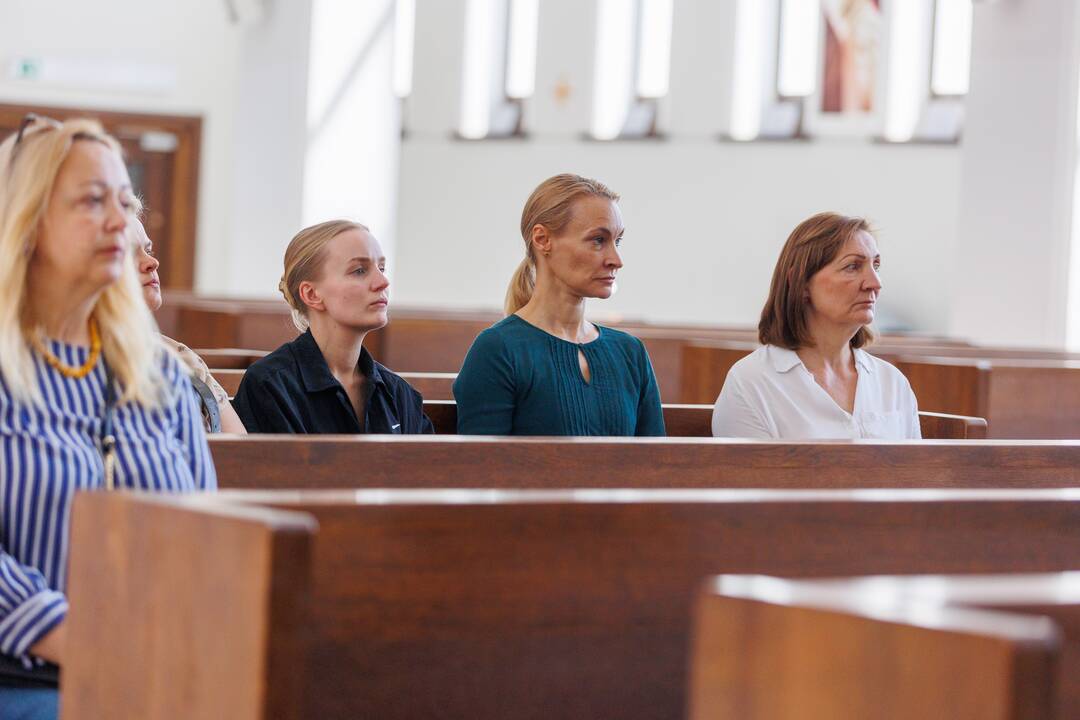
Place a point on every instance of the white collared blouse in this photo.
(770, 394)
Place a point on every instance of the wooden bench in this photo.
(680, 420)
(696, 421)
(903, 647)
(229, 358)
(379, 461)
(474, 604)
(1020, 398)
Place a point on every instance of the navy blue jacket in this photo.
(292, 390)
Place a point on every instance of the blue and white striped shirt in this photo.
(48, 453)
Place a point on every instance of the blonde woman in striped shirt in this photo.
(89, 398)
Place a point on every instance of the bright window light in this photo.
(905, 91)
(799, 28)
(404, 33)
(613, 75)
(481, 25)
(748, 86)
(654, 43)
(952, 48)
(521, 48)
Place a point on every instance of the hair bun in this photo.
(284, 290)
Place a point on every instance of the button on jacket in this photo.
(292, 390)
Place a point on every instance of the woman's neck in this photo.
(340, 347)
(64, 315)
(558, 312)
(831, 349)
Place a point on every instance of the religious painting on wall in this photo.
(850, 92)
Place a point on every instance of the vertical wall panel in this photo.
(702, 66)
(565, 57)
(434, 107)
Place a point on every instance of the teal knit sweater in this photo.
(519, 380)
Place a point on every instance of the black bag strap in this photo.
(108, 434)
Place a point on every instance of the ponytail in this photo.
(521, 286)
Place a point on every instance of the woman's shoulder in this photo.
(763, 360)
(278, 368)
(509, 331)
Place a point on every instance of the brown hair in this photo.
(551, 205)
(810, 247)
(304, 260)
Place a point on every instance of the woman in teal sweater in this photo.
(545, 370)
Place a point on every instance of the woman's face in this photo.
(584, 257)
(81, 242)
(845, 291)
(352, 288)
(147, 265)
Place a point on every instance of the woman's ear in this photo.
(309, 295)
(541, 240)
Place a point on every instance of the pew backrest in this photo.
(766, 648)
(486, 604)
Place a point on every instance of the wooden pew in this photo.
(696, 421)
(680, 420)
(479, 604)
(229, 358)
(1020, 398)
(765, 648)
(374, 461)
(864, 603)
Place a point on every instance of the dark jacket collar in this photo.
(315, 373)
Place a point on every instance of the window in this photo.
(404, 33)
(499, 66)
(951, 71)
(633, 66)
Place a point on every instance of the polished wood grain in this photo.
(696, 421)
(767, 656)
(485, 604)
(1021, 398)
(329, 461)
(1045, 597)
(212, 597)
(229, 358)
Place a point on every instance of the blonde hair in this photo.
(304, 261)
(551, 205)
(129, 336)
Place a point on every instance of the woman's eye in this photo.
(618, 242)
(598, 240)
(360, 271)
(94, 199)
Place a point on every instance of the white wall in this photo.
(1019, 165)
(193, 38)
(705, 219)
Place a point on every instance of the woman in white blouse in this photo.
(812, 380)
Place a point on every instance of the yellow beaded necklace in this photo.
(65, 369)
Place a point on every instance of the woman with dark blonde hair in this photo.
(812, 379)
(217, 413)
(325, 381)
(89, 397)
(544, 369)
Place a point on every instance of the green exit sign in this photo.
(27, 68)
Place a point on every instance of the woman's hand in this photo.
(51, 647)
